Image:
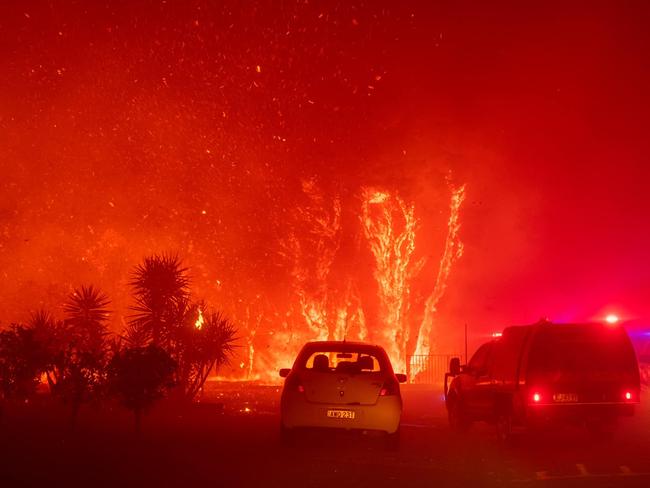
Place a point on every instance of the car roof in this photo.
(345, 344)
(553, 325)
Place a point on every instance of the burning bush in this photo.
(165, 317)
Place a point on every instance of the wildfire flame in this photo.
(199, 321)
(389, 225)
(453, 251)
(312, 256)
(324, 308)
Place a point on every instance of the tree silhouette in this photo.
(165, 316)
(203, 349)
(49, 335)
(21, 363)
(79, 368)
(139, 376)
(160, 289)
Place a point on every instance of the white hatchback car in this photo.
(341, 385)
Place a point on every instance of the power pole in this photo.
(465, 342)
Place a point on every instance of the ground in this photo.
(231, 439)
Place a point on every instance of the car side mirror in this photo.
(284, 372)
(454, 366)
(401, 378)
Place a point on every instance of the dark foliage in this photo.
(22, 361)
(80, 348)
(201, 347)
(139, 376)
(50, 341)
(160, 289)
(166, 317)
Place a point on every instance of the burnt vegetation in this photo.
(169, 346)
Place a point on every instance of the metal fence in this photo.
(429, 369)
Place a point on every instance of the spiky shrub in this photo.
(78, 370)
(139, 376)
(165, 317)
(199, 351)
(160, 287)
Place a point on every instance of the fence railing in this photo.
(429, 369)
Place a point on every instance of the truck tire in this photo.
(504, 426)
(504, 419)
(458, 419)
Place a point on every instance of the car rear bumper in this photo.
(297, 412)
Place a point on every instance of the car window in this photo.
(507, 353)
(342, 362)
(480, 358)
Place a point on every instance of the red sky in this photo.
(120, 124)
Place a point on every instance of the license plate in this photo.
(565, 397)
(340, 414)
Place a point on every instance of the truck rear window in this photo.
(567, 351)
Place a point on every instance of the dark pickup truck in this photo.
(536, 375)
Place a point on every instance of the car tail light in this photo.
(391, 387)
(293, 383)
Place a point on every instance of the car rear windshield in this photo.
(336, 361)
(601, 352)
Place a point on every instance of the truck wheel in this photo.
(458, 420)
(504, 427)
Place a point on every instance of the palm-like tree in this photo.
(86, 317)
(165, 316)
(82, 368)
(87, 305)
(49, 334)
(205, 349)
(160, 288)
